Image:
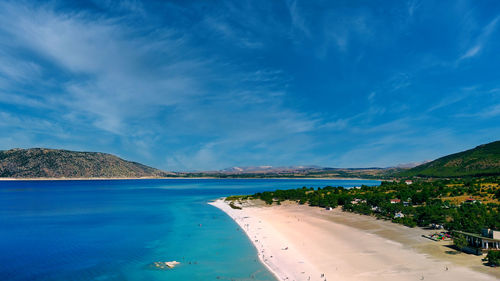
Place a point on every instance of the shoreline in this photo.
(181, 178)
(347, 246)
(220, 204)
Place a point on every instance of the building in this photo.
(408, 182)
(395, 201)
(486, 232)
(489, 239)
(472, 201)
(437, 226)
(399, 215)
(357, 200)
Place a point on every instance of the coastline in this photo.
(76, 179)
(347, 246)
(233, 214)
(181, 178)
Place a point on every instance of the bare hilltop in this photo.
(57, 163)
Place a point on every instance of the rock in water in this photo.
(164, 264)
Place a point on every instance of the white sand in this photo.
(301, 243)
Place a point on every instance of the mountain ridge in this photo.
(60, 163)
(483, 160)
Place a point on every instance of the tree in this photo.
(493, 258)
(459, 241)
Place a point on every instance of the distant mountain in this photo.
(482, 160)
(55, 163)
(268, 169)
(411, 164)
(293, 172)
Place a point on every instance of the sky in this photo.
(206, 85)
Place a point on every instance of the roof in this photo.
(475, 235)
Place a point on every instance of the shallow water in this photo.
(114, 229)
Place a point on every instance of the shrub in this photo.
(460, 241)
(493, 258)
(234, 206)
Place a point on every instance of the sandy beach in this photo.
(298, 242)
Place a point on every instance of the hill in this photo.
(295, 172)
(480, 161)
(55, 163)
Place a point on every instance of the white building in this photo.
(399, 215)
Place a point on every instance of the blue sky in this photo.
(202, 85)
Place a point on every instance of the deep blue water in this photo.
(113, 229)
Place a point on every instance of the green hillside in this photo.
(54, 163)
(482, 160)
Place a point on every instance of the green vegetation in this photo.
(41, 162)
(483, 160)
(237, 197)
(460, 241)
(234, 206)
(493, 258)
(460, 204)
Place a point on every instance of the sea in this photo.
(116, 229)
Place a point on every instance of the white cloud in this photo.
(471, 52)
(481, 40)
(492, 111)
(488, 112)
(19, 71)
(413, 6)
(116, 84)
(127, 80)
(455, 97)
(298, 21)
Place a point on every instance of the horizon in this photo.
(262, 166)
(204, 87)
(231, 167)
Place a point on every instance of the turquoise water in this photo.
(113, 230)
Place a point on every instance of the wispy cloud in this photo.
(492, 111)
(481, 40)
(297, 19)
(191, 85)
(413, 6)
(127, 80)
(454, 98)
(485, 113)
(471, 52)
(343, 28)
